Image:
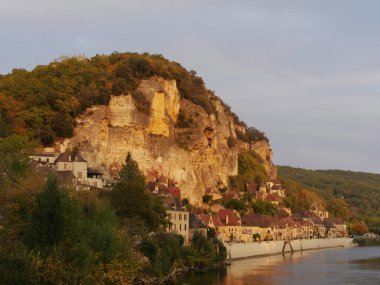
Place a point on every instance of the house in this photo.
(250, 228)
(335, 227)
(196, 225)
(319, 228)
(74, 163)
(44, 157)
(274, 199)
(255, 224)
(227, 225)
(316, 211)
(178, 217)
(61, 164)
(252, 188)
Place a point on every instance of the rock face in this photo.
(195, 158)
(263, 149)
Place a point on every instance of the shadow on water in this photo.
(370, 263)
(214, 276)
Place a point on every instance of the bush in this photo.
(206, 198)
(141, 103)
(255, 135)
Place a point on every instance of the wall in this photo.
(244, 250)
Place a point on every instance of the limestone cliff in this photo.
(195, 156)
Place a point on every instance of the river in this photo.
(340, 266)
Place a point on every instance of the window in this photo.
(65, 165)
(180, 227)
(95, 184)
(80, 175)
(170, 216)
(185, 217)
(185, 227)
(47, 160)
(180, 216)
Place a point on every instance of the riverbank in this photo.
(367, 241)
(259, 249)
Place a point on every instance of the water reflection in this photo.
(347, 266)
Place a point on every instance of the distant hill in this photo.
(360, 190)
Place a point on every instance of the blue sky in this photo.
(305, 72)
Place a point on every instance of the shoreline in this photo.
(241, 251)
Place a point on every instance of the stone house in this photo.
(178, 217)
(316, 211)
(335, 227)
(179, 223)
(253, 224)
(227, 225)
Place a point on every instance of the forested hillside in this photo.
(43, 103)
(361, 191)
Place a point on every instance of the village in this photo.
(228, 225)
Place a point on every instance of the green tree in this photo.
(264, 207)
(130, 200)
(54, 219)
(14, 152)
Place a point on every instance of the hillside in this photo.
(109, 105)
(360, 190)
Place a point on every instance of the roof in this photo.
(273, 197)
(231, 195)
(173, 203)
(91, 171)
(256, 220)
(65, 157)
(227, 217)
(205, 219)
(195, 222)
(45, 154)
(335, 221)
(251, 187)
(317, 221)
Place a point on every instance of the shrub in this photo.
(206, 198)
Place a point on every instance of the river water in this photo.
(343, 266)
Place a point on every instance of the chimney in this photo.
(226, 219)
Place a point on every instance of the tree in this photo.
(264, 207)
(255, 135)
(359, 228)
(338, 208)
(130, 200)
(54, 219)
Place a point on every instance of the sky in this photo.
(306, 72)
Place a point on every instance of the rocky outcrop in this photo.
(195, 157)
(264, 150)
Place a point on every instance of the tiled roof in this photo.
(228, 217)
(256, 220)
(252, 187)
(273, 197)
(231, 195)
